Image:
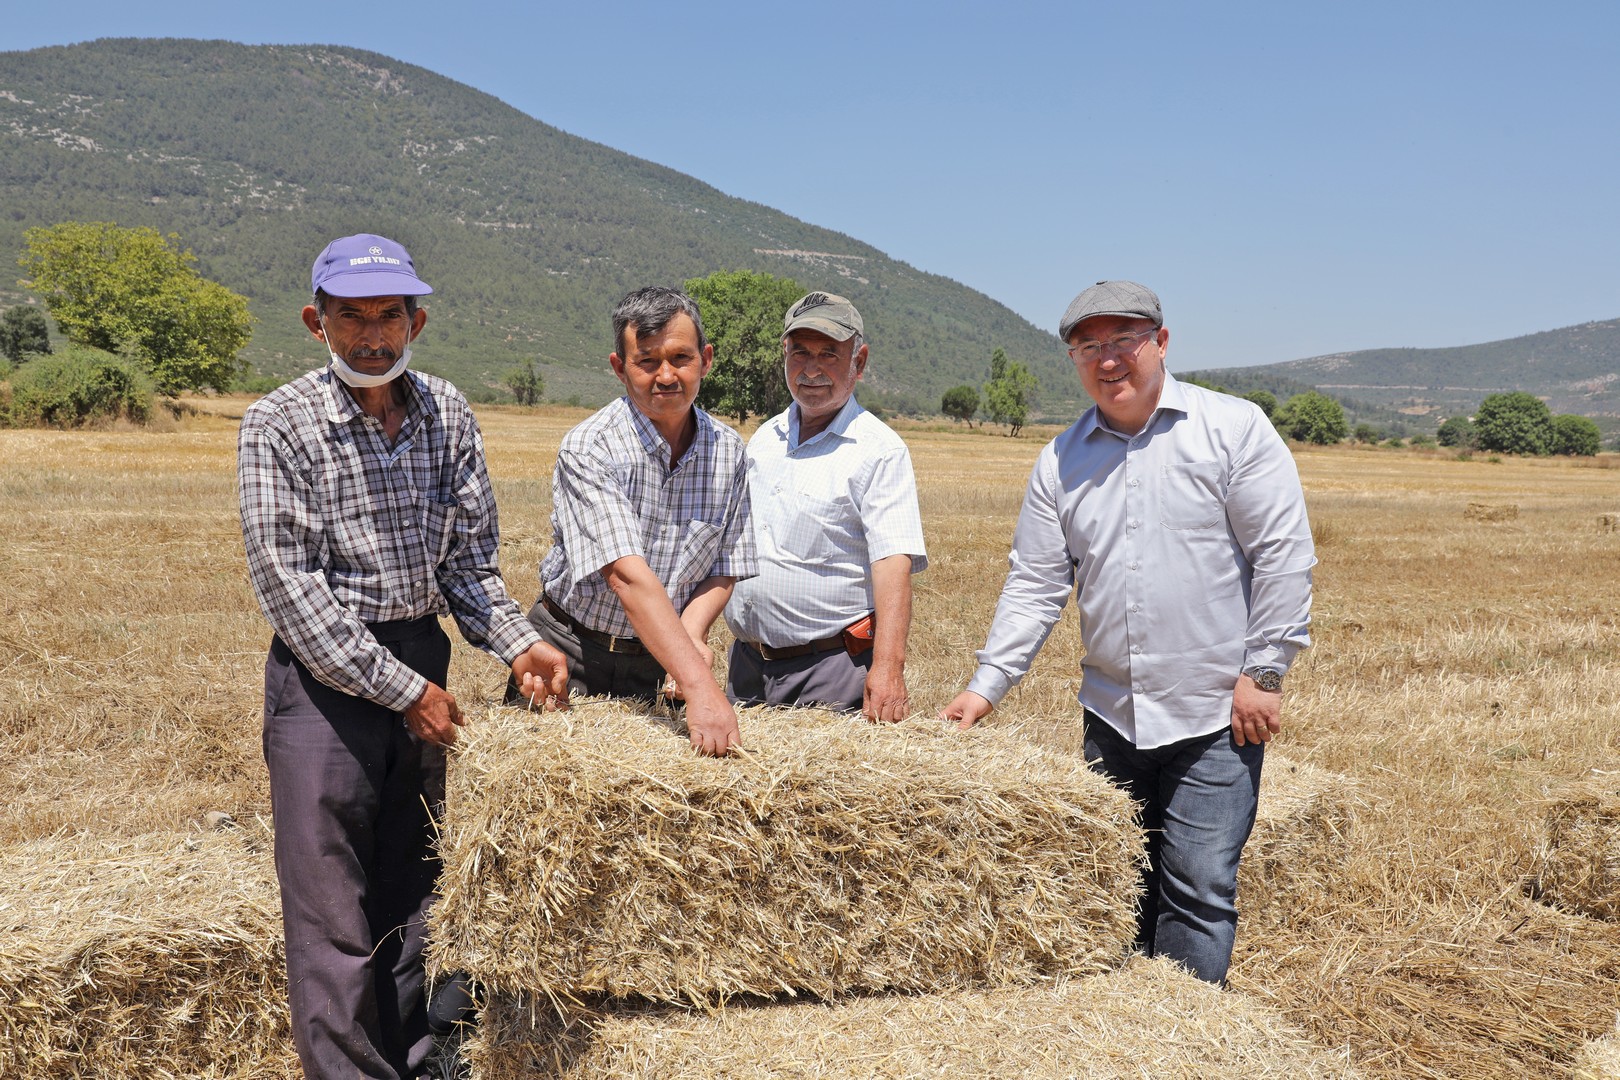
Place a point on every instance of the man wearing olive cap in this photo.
(838, 532)
(1175, 515)
(366, 514)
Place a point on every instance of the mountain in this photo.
(258, 155)
(1575, 369)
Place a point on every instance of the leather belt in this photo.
(826, 644)
(612, 644)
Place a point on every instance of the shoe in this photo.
(452, 1003)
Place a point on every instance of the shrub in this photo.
(1456, 431)
(77, 387)
(1575, 435)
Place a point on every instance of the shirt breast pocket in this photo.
(698, 550)
(1190, 495)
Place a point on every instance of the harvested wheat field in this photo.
(155, 956)
(1578, 863)
(1148, 1018)
(1464, 673)
(592, 852)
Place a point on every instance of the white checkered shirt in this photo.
(826, 509)
(342, 529)
(614, 494)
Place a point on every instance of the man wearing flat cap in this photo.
(366, 514)
(1176, 516)
(839, 535)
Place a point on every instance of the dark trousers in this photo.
(833, 678)
(354, 797)
(592, 670)
(1198, 801)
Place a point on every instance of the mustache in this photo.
(362, 353)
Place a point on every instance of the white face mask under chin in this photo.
(350, 377)
(359, 379)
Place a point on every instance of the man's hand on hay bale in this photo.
(885, 698)
(712, 723)
(541, 674)
(967, 709)
(1256, 713)
(435, 716)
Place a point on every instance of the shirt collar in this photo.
(838, 426)
(1173, 397)
(341, 408)
(653, 442)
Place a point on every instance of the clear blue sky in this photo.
(1293, 178)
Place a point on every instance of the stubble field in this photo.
(1464, 672)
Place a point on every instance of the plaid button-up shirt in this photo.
(343, 528)
(614, 494)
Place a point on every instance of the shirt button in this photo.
(1134, 483)
(1136, 648)
(1136, 607)
(1133, 566)
(1136, 689)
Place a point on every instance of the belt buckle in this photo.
(613, 644)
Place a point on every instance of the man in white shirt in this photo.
(1178, 513)
(838, 533)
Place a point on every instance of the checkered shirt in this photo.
(614, 494)
(342, 529)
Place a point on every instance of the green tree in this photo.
(1313, 417)
(1366, 433)
(134, 292)
(1575, 435)
(1456, 431)
(526, 384)
(742, 316)
(960, 403)
(1514, 423)
(23, 332)
(1009, 393)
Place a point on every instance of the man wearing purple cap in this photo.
(1177, 511)
(366, 514)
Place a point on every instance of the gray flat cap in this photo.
(1125, 298)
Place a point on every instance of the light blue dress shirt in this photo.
(1192, 554)
(825, 509)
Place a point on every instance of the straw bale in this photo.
(1301, 837)
(1599, 1059)
(1578, 861)
(1478, 511)
(154, 956)
(1149, 1018)
(593, 852)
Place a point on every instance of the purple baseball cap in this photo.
(366, 265)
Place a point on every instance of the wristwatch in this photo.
(1265, 678)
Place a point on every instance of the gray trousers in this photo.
(834, 679)
(354, 796)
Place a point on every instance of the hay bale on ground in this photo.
(1149, 1018)
(594, 853)
(1478, 511)
(158, 956)
(1301, 836)
(1577, 864)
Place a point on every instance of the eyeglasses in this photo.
(1090, 350)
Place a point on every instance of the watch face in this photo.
(1266, 679)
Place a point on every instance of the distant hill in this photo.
(257, 155)
(1576, 369)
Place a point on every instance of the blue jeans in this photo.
(1198, 800)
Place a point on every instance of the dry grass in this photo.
(156, 956)
(1464, 672)
(1599, 1059)
(593, 852)
(1147, 1019)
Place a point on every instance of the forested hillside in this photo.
(257, 155)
